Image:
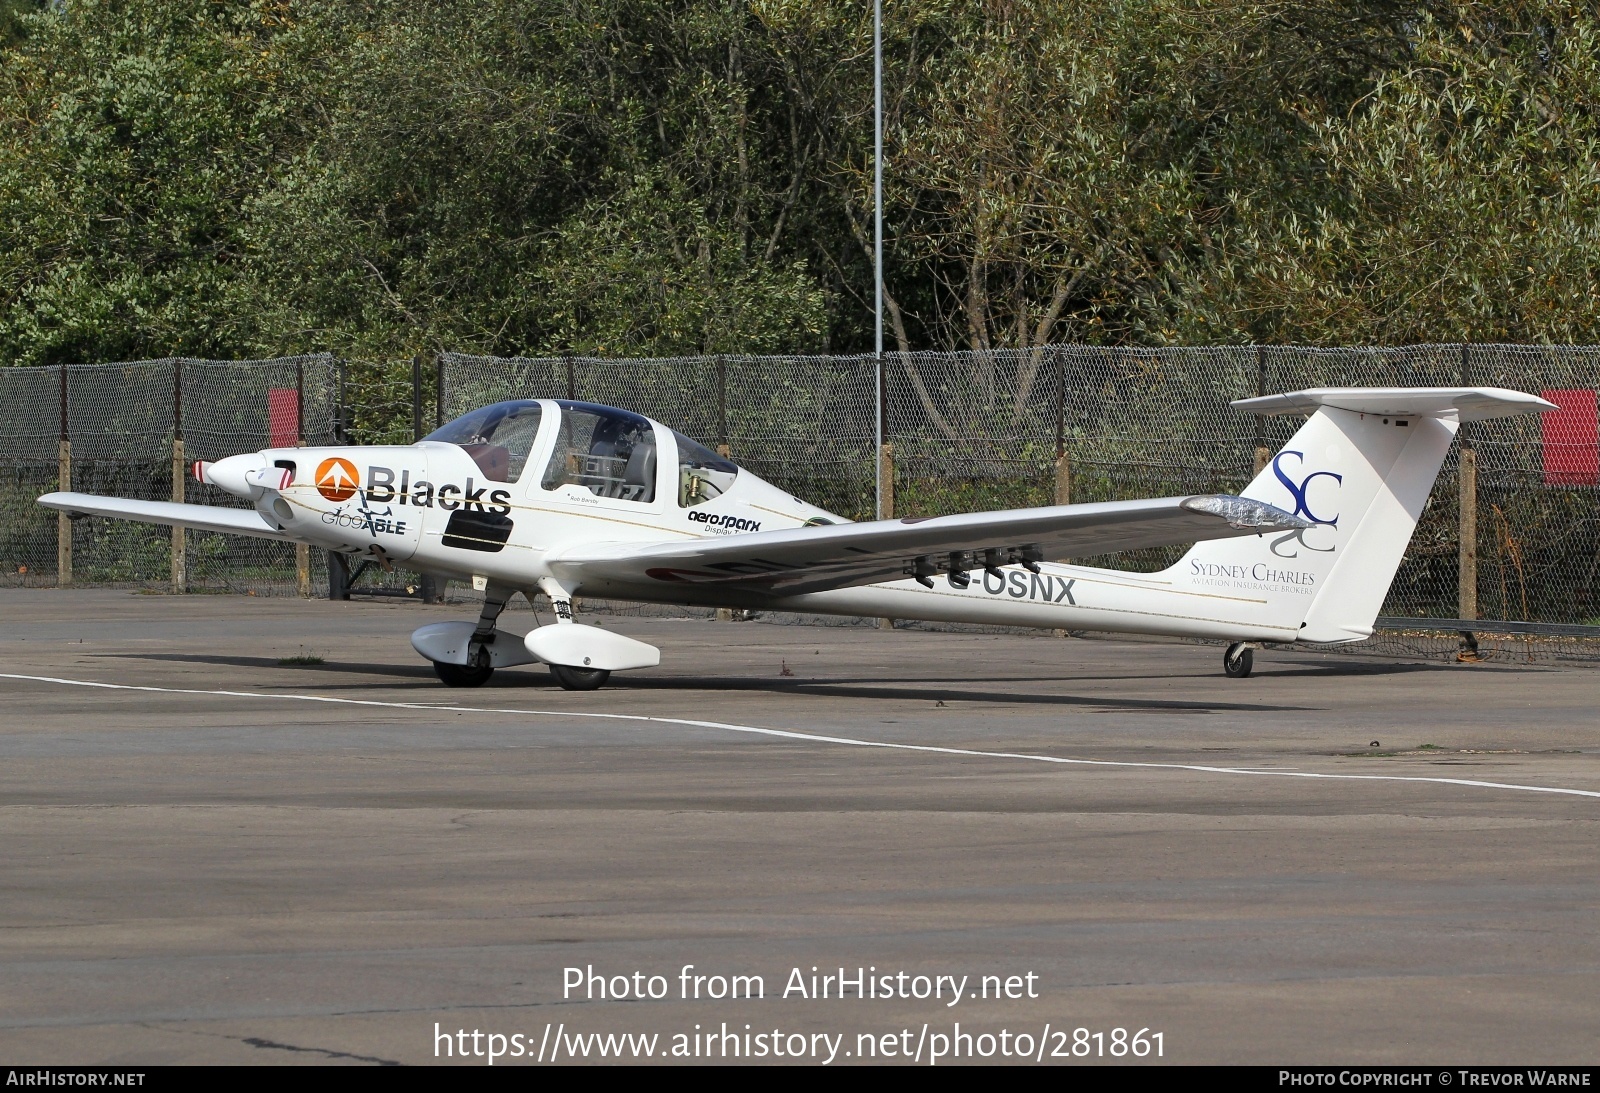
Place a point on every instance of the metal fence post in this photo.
(1263, 453)
(879, 434)
(338, 571)
(725, 614)
(885, 447)
(1467, 493)
(1063, 477)
(428, 587)
(1467, 559)
(723, 447)
(886, 478)
(341, 408)
(885, 456)
(1062, 493)
(180, 554)
(302, 552)
(338, 576)
(416, 397)
(64, 483)
(438, 391)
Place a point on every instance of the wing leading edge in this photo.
(198, 517)
(815, 559)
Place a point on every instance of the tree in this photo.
(520, 177)
(131, 135)
(384, 178)
(1459, 197)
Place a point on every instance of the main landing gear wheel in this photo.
(1238, 660)
(478, 672)
(579, 679)
(464, 675)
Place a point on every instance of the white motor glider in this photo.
(561, 498)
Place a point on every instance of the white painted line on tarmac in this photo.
(818, 738)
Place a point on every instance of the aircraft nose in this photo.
(237, 474)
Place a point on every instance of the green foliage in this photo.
(513, 178)
(14, 21)
(1455, 201)
(381, 178)
(131, 133)
(943, 495)
(179, 177)
(117, 552)
(26, 541)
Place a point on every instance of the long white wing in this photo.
(199, 517)
(815, 559)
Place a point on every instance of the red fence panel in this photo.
(283, 417)
(1571, 439)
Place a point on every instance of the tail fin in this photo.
(1361, 469)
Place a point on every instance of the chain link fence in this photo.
(130, 430)
(965, 431)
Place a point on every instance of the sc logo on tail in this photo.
(1302, 506)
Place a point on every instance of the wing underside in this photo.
(815, 559)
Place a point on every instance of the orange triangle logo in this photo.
(337, 479)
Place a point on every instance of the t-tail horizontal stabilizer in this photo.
(1463, 403)
(1360, 469)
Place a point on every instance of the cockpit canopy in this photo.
(497, 437)
(702, 473)
(610, 452)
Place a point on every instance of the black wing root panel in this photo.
(485, 531)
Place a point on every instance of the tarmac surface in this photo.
(218, 866)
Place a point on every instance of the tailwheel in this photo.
(1238, 660)
(464, 675)
(579, 679)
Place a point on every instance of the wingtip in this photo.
(1243, 513)
(62, 502)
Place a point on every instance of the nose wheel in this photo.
(465, 675)
(480, 667)
(1238, 660)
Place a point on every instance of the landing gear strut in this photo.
(1238, 660)
(570, 676)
